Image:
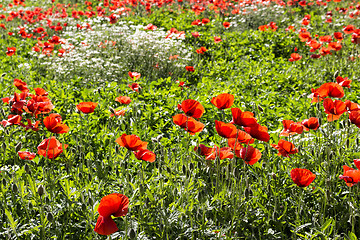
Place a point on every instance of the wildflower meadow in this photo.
(180, 119)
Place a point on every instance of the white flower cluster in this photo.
(96, 49)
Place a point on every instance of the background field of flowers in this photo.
(132, 65)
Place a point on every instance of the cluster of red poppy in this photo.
(325, 45)
(193, 109)
(138, 147)
(35, 104)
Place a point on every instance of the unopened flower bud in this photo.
(273, 176)
(50, 217)
(132, 234)
(14, 188)
(18, 147)
(41, 190)
(27, 169)
(3, 146)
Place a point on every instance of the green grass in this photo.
(181, 195)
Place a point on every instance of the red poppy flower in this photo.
(123, 100)
(27, 155)
(40, 92)
(351, 176)
(334, 109)
(338, 36)
(344, 82)
(249, 154)
(221, 153)
(354, 117)
(21, 85)
(86, 107)
(204, 150)
(134, 75)
(245, 119)
(226, 24)
(188, 123)
(135, 87)
(53, 123)
(120, 112)
(335, 46)
(351, 106)
(190, 68)
(226, 130)
(192, 108)
(201, 50)
(329, 89)
(302, 177)
(349, 29)
(131, 142)
(285, 148)
(195, 34)
(304, 36)
(114, 204)
(311, 123)
(50, 148)
(223, 101)
(295, 57)
(145, 155)
(259, 132)
(291, 128)
(217, 39)
(326, 38)
(11, 51)
(243, 137)
(205, 20)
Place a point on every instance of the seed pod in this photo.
(49, 217)
(14, 188)
(3, 146)
(41, 190)
(18, 147)
(27, 169)
(273, 176)
(132, 234)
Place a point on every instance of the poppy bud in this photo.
(184, 169)
(14, 188)
(50, 217)
(273, 176)
(83, 207)
(3, 146)
(132, 234)
(80, 176)
(41, 190)
(30, 206)
(4, 182)
(191, 166)
(27, 169)
(18, 147)
(47, 200)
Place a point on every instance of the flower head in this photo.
(302, 177)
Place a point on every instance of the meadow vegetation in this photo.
(181, 119)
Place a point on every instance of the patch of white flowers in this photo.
(97, 47)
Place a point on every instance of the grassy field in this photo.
(179, 119)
